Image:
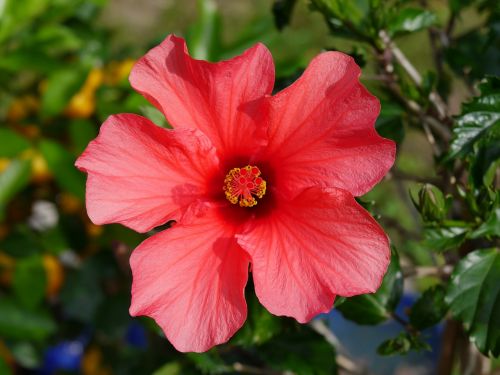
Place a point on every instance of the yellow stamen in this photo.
(242, 185)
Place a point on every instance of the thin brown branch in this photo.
(397, 173)
(413, 73)
(423, 271)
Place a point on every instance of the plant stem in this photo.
(413, 73)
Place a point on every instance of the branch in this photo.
(424, 271)
(400, 57)
(397, 173)
(343, 361)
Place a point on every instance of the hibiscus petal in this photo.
(191, 280)
(321, 244)
(221, 99)
(141, 175)
(322, 129)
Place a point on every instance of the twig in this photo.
(343, 361)
(400, 57)
(424, 271)
(430, 137)
(397, 173)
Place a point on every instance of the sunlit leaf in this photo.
(410, 20)
(473, 296)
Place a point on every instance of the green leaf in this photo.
(390, 122)
(445, 238)
(346, 18)
(61, 163)
(491, 227)
(484, 166)
(402, 344)
(81, 133)
(260, 326)
(12, 143)
(299, 351)
(20, 324)
(12, 180)
(4, 367)
(375, 308)
(474, 295)
(29, 281)
(410, 20)
(155, 116)
(14, 15)
(282, 11)
(429, 309)
(209, 362)
(203, 37)
(61, 86)
(171, 368)
(29, 60)
(480, 119)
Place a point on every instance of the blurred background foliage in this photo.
(65, 282)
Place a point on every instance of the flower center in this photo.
(242, 185)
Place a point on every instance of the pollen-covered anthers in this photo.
(242, 185)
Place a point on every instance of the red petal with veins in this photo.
(141, 175)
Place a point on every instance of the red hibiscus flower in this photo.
(249, 178)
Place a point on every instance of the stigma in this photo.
(243, 185)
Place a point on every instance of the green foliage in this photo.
(283, 353)
(63, 71)
(410, 20)
(282, 10)
(12, 143)
(171, 368)
(477, 130)
(19, 323)
(29, 281)
(473, 297)
(12, 180)
(61, 162)
(376, 308)
(390, 123)
(445, 237)
(431, 203)
(61, 86)
(429, 309)
(402, 344)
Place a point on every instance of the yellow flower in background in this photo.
(117, 71)
(92, 363)
(55, 274)
(82, 104)
(4, 163)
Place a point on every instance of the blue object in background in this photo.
(361, 343)
(66, 355)
(136, 335)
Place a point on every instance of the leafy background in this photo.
(65, 283)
